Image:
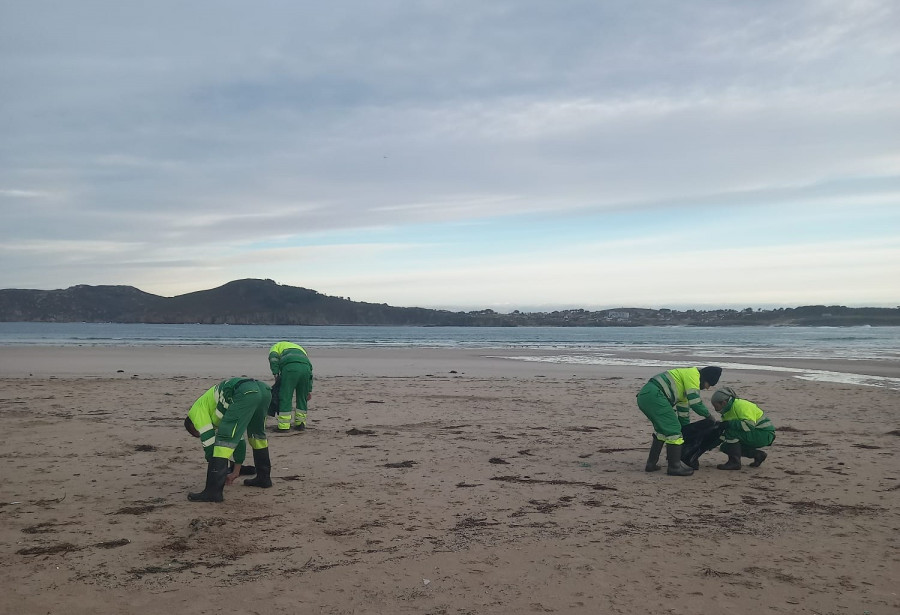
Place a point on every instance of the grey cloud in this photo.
(356, 114)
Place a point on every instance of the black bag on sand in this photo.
(699, 437)
(273, 405)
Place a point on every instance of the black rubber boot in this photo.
(245, 470)
(733, 450)
(693, 462)
(263, 469)
(216, 473)
(653, 458)
(755, 454)
(676, 466)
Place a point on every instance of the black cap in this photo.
(710, 375)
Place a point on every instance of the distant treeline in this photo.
(265, 302)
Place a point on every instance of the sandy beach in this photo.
(437, 482)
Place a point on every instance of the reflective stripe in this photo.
(667, 384)
(206, 427)
(747, 425)
(673, 439)
(223, 451)
(209, 440)
(765, 424)
(256, 443)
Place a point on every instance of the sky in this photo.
(464, 154)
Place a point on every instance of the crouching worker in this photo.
(294, 373)
(667, 400)
(747, 429)
(220, 418)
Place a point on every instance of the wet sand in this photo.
(437, 481)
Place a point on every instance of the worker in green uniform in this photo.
(291, 367)
(220, 417)
(667, 400)
(747, 429)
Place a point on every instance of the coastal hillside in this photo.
(265, 302)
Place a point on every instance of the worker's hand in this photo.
(233, 476)
(308, 396)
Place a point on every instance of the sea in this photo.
(582, 345)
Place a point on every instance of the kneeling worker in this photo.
(747, 429)
(220, 417)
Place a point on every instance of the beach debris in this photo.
(400, 464)
(709, 572)
(139, 510)
(47, 502)
(197, 524)
(374, 401)
(810, 507)
(44, 528)
(359, 432)
(464, 484)
(536, 481)
(471, 522)
(175, 566)
(149, 448)
(426, 581)
(62, 547)
(112, 544)
(497, 460)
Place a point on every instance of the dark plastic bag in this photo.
(699, 437)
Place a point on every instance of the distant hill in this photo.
(259, 302)
(265, 302)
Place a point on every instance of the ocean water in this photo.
(583, 345)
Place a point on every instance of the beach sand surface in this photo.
(435, 482)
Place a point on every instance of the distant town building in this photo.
(618, 315)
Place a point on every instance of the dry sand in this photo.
(435, 482)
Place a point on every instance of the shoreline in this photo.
(214, 361)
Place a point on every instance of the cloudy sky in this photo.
(515, 154)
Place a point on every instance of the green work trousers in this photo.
(656, 407)
(296, 382)
(752, 438)
(245, 413)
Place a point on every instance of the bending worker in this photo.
(220, 417)
(667, 400)
(291, 367)
(746, 429)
